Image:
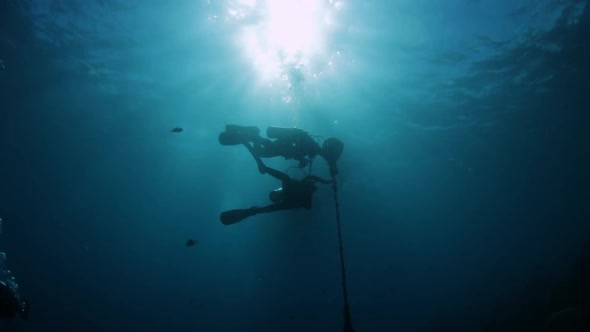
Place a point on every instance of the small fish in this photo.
(177, 130)
(191, 243)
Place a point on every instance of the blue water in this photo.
(463, 184)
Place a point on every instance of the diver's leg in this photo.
(227, 138)
(250, 130)
(269, 208)
(234, 216)
(277, 174)
(234, 134)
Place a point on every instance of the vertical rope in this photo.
(347, 319)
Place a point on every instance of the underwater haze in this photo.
(463, 187)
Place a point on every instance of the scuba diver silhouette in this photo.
(290, 143)
(293, 194)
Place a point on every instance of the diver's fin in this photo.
(234, 134)
(249, 130)
(235, 216)
(226, 138)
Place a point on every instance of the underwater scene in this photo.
(295, 165)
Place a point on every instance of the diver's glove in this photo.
(261, 168)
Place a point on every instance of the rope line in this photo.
(346, 308)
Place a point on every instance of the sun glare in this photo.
(279, 36)
(293, 26)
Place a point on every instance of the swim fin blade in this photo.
(227, 138)
(235, 216)
(234, 134)
(247, 130)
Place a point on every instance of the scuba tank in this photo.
(284, 132)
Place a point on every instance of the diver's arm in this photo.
(316, 179)
(261, 166)
(277, 174)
